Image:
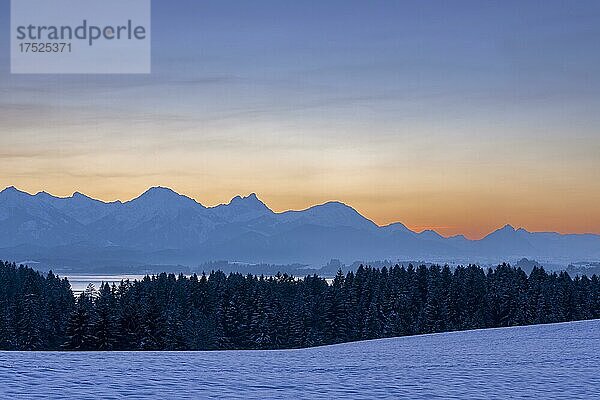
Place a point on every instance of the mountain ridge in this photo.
(161, 221)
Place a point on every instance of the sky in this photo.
(455, 116)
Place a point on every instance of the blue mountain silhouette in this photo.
(162, 226)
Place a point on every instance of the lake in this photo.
(80, 282)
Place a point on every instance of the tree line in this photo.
(217, 311)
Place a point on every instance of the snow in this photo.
(558, 361)
(163, 227)
(330, 214)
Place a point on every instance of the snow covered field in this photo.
(559, 361)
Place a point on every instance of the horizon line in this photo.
(416, 231)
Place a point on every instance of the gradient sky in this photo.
(459, 116)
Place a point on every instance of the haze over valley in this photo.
(162, 227)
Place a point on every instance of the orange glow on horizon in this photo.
(478, 226)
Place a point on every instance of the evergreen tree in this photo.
(104, 322)
(79, 329)
(218, 311)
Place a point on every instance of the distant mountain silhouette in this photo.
(163, 227)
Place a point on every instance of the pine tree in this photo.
(79, 335)
(235, 311)
(104, 321)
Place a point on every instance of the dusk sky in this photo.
(457, 116)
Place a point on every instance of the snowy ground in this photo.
(560, 361)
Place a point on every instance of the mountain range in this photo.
(164, 227)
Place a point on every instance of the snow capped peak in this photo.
(161, 219)
(162, 197)
(78, 195)
(157, 202)
(44, 195)
(332, 207)
(250, 202)
(508, 228)
(12, 195)
(159, 191)
(335, 204)
(506, 241)
(241, 209)
(11, 190)
(331, 214)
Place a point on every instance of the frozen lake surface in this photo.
(559, 361)
(80, 282)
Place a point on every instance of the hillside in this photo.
(556, 361)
